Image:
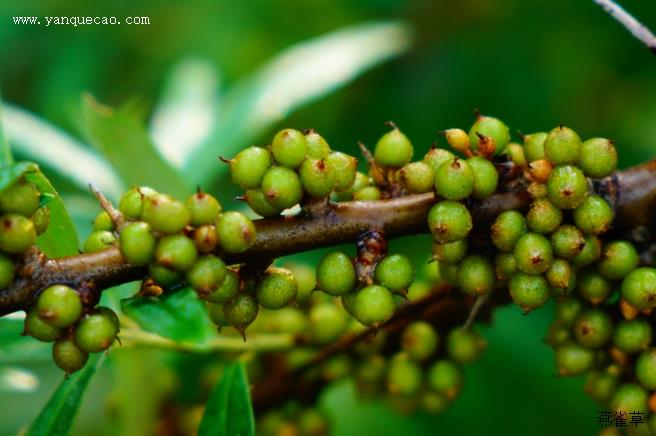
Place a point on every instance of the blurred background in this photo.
(209, 77)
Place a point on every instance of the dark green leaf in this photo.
(228, 411)
(57, 416)
(178, 315)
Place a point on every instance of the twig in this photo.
(476, 308)
(115, 215)
(637, 29)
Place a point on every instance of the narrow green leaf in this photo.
(6, 157)
(228, 411)
(296, 76)
(120, 135)
(56, 418)
(178, 315)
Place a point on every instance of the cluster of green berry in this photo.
(294, 420)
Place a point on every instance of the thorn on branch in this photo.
(115, 215)
(376, 171)
(476, 308)
(637, 29)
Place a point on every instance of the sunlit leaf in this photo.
(228, 411)
(14, 379)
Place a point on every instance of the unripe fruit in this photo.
(601, 385)
(543, 217)
(417, 177)
(593, 215)
(598, 157)
(204, 209)
(59, 306)
(131, 205)
(540, 170)
(164, 214)
(176, 252)
(236, 232)
(566, 186)
(533, 253)
(395, 272)
(560, 276)
(433, 403)
(476, 276)
(534, 146)
(448, 273)
(68, 356)
(646, 369)
(205, 238)
(373, 305)
(505, 265)
(289, 148)
(344, 168)
(516, 154)
(20, 198)
(634, 335)
(368, 193)
(590, 252)
(327, 323)
(567, 241)
(277, 289)
(257, 201)
(207, 274)
(490, 127)
(457, 139)
(419, 340)
(450, 253)
(95, 332)
(404, 377)
(628, 398)
(593, 287)
(417, 290)
(163, 276)
(7, 270)
(313, 423)
(227, 289)
(464, 346)
(508, 227)
(316, 178)
(486, 178)
(562, 146)
(528, 291)
(567, 310)
(593, 328)
(393, 149)
(435, 157)
(306, 277)
(137, 243)
(446, 378)
(249, 166)
(17, 233)
(361, 181)
(317, 147)
(639, 288)
(618, 259)
(103, 222)
(39, 329)
(99, 240)
(241, 311)
(215, 311)
(557, 334)
(282, 187)
(336, 274)
(41, 219)
(449, 221)
(454, 180)
(573, 359)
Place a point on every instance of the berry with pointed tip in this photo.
(207, 274)
(205, 238)
(566, 186)
(373, 305)
(137, 243)
(419, 339)
(163, 276)
(476, 276)
(492, 128)
(417, 177)
(562, 146)
(103, 222)
(317, 147)
(618, 258)
(131, 204)
(7, 270)
(227, 289)
(344, 168)
(534, 146)
(17, 233)
(639, 288)
(529, 291)
(567, 241)
(215, 311)
(277, 289)
(486, 178)
(593, 215)
(327, 323)
(598, 157)
(68, 356)
(437, 156)
(289, 148)
(395, 272)
(449, 221)
(204, 208)
(543, 217)
(593, 286)
(59, 306)
(590, 252)
(165, 214)
(249, 166)
(573, 359)
(393, 149)
(41, 219)
(450, 253)
(282, 187)
(99, 240)
(533, 253)
(368, 193)
(21, 198)
(257, 201)
(632, 335)
(593, 328)
(336, 274)
(241, 311)
(445, 377)
(404, 376)
(508, 227)
(95, 332)
(464, 346)
(236, 232)
(505, 265)
(316, 178)
(561, 277)
(629, 398)
(176, 252)
(457, 139)
(39, 329)
(454, 180)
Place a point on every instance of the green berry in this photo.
(534, 146)
(368, 193)
(289, 320)
(631, 336)
(259, 204)
(227, 289)
(17, 233)
(533, 253)
(417, 177)
(207, 274)
(433, 403)
(601, 385)
(205, 238)
(404, 376)
(543, 217)
(629, 398)
(590, 252)
(41, 219)
(20, 198)
(445, 377)
(289, 148)
(573, 359)
(448, 273)
(95, 332)
(486, 178)
(593, 215)
(317, 147)
(327, 323)
(361, 181)
(306, 277)
(343, 167)
(395, 272)
(204, 209)
(508, 227)
(68, 356)
(336, 274)
(236, 232)
(639, 288)
(313, 423)
(419, 340)
(618, 259)
(131, 205)
(164, 214)
(241, 311)
(215, 311)
(176, 252)
(560, 276)
(316, 178)
(562, 146)
(449, 221)
(450, 253)
(249, 166)
(99, 240)
(566, 186)
(567, 309)
(593, 286)
(277, 289)
(557, 334)
(567, 241)
(598, 157)
(282, 187)
(464, 346)
(39, 329)
(373, 305)
(7, 270)
(454, 180)
(528, 291)
(516, 154)
(59, 306)
(490, 127)
(393, 149)
(103, 222)
(137, 243)
(163, 276)
(593, 328)
(417, 290)
(476, 276)
(646, 369)
(505, 265)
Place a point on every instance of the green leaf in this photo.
(18, 349)
(296, 76)
(57, 416)
(228, 411)
(34, 138)
(6, 157)
(178, 315)
(120, 135)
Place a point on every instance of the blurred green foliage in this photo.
(534, 64)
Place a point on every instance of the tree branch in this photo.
(637, 29)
